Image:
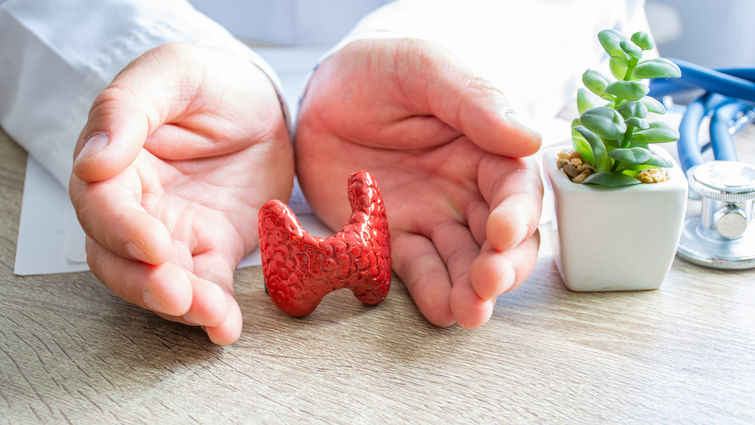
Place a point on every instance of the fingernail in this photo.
(151, 302)
(509, 276)
(93, 145)
(135, 252)
(516, 120)
(521, 235)
(189, 317)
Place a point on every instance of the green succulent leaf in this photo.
(655, 162)
(659, 161)
(580, 144)
(638, 139)
(586, 100)
(611, 42)
(656, 68)
(631, 49)
(602, 162)
(640, 123)
(657, 133)
(618, 67)
(630, 90)
(633, 109)
(631, 156)
(595, 81)
(659, 124)
(581, 147)
(642, 39)
(604, 121)
(653, 105)
(615, 179)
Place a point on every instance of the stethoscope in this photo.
(721, 236)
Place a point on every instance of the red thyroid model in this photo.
(301, 269)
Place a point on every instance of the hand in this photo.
(178, 155)
(463, 213)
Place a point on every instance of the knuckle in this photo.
(113, 97)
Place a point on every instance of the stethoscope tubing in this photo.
(730, 93)
(738, 83)
(720, 137)
(688, 144)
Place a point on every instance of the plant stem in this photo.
(630, 67)
(627, 77)
(617, 102)
(627, 136)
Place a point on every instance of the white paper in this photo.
(48, 225)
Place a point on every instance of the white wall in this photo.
(288, 22)
(713, 33)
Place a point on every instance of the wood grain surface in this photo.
(72, 352)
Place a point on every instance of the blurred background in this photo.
(718, 33)
(288, 22)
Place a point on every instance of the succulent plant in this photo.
(613, 133)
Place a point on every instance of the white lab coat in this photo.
(55, 56)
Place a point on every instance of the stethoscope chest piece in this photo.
(720, 237)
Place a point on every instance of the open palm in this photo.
(463, 213)
(179, 153)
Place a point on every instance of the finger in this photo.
(225, 333)
(458, 249)
(515, 193)
(165, 288)
(513, 220)
(525, 260)
(464, 100)
(424, 274)
(494, 272)
(412, 132)
(170, 291)
(476, 214)
(213, 290)
(110, 213)
(208, 303)
(229, 331)
(120, 120)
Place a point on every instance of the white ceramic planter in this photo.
(620, 239)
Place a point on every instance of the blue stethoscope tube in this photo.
(731, 82)
(730, 93)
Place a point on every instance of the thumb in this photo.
(113, 135)
(150, 91)
(471, 104)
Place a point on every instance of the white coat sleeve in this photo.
(534, 50)
(56, 56)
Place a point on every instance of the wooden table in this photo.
(71, 351)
